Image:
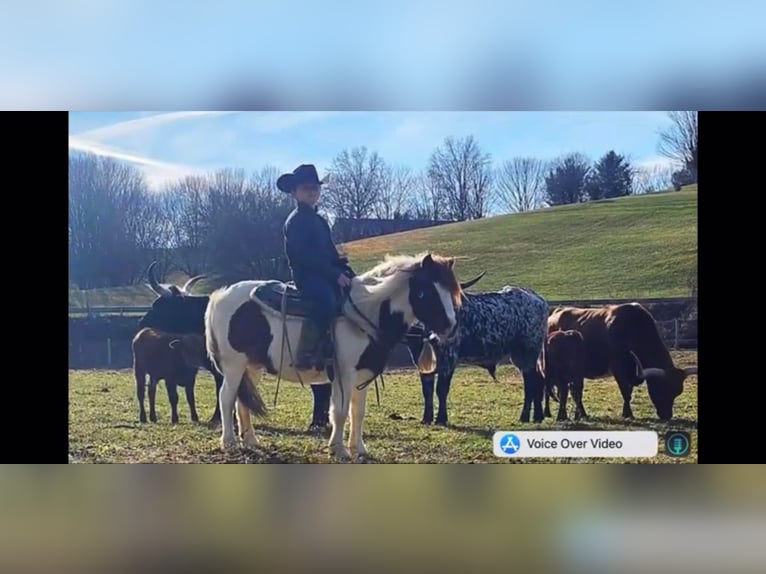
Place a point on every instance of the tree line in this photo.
(229, 222)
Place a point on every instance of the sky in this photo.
(170, 145)
(430, 54)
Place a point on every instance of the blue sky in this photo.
(167, 145)
(431, 54)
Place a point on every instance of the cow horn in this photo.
(472, 282)
(174, 343)
(160, 290)
(649, 372)
(188, 285)
(690, 370)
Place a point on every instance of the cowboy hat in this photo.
(303, 174)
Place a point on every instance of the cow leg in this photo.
(152, 395)
(625, 374)
(173, 398)
(577, 388)
(547, 408)
(442, 390)
(427, 384)
(533, 394)
(320, 419)
(190, 399)
(140, 384)
(215, 420)
(563, 388)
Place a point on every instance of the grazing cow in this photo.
(562, 364)
(172, 358)
(248, 332)
(624, 340)
(492, 327)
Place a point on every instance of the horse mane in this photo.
(387, 276)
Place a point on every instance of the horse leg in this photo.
(427, 384)
(152, 396)
(233, 371)
(246, 430)
(140, 384)
(172, 389)
(358, 405)
(442, 390)
(338, 414)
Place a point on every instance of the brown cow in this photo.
(624, 340)
(562, 364)
(173, 358)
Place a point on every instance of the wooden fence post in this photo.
(109, 351)
(675, 325)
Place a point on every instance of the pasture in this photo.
(104, 427)
(631, 247)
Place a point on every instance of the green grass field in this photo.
(642, 246)
(104, 427)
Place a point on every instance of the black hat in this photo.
(303, 174)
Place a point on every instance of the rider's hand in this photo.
(343, 280)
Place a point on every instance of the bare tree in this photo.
(395, 197)
(520, 184)
(111, 216)
(185, 205)
(463, 173)
(679, 140)
(652, 178)
(428, 200)
(357, 179)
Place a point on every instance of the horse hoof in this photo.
(228, 444)
(340, 454)
(250, 440)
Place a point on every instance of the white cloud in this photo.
(131, 126)
(157, 173)
(656, 161)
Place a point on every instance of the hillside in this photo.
(642, 246)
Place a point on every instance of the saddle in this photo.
(272, 292)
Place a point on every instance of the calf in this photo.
(563, 367)
(173, 358)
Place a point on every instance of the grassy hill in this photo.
(642, 246)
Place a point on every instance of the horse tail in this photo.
(248, 394)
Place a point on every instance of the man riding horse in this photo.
(317, 269)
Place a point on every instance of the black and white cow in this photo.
(492, 327)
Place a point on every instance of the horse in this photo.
(247, 325)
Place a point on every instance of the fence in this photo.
(100, 337)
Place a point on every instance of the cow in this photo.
(562, 364)
(492, 327)
(169, 357)
(176, 310)
(624, 340)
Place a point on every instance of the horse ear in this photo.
(428, 260)
(451, 262)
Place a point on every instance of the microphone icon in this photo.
(677, 443)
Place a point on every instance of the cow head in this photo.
(168, 289)
(664, 385)
(191, 348)
(177, 314)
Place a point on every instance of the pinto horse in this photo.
(247, 331)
